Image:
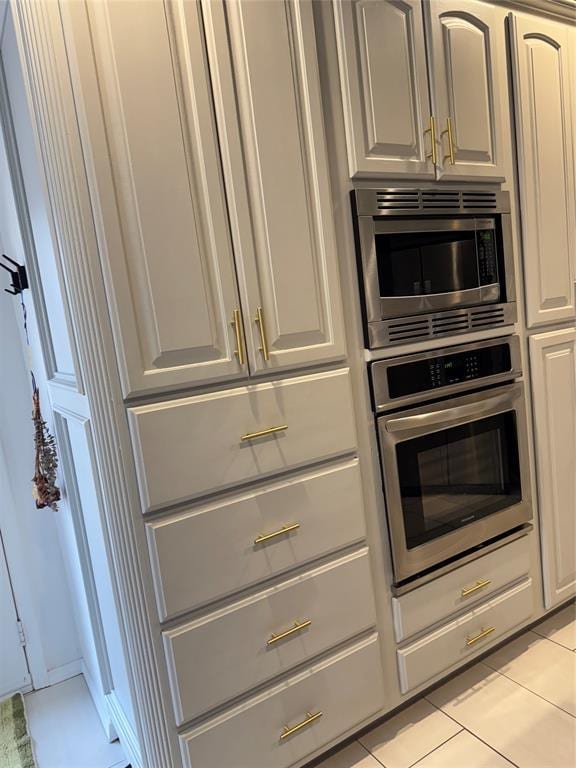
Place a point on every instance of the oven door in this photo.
(418, 266)
(455, 476)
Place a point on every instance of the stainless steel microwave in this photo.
(433, 262)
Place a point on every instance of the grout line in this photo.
(534, 693)
(436, 748)
(463, 728)
(370, 753)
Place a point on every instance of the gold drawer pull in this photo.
(285, 529)
(432, 131)
(480, 584)
(480, 636)
(310, 718)
(263, 432)
(237, 325)
(298, 627)
(449, 133)
(259, 319)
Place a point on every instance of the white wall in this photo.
(77, 529)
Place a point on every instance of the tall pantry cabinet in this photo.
(543, 71)
(204, 141)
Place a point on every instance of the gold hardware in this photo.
(432, 131)
(298, 627)
(262, 328)
(285, 529)
(262, 432)
(237, 323)
(310, 718)
(480, 584)
(448, 131)
(480, 636)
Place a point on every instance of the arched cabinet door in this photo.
(382, 63)
(143, 92)
(469, 87)
(544, 116)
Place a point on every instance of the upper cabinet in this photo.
(209, 174)
(401, 121)
(385, 87)
(266, 83)
(165, 235)
(468, 72)
(541, 69)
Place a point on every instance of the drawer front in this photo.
(218, 657)
(210, 551)
(190, 447)
(346, 689)
(458, 641)
(472, 583)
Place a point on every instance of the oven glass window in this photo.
(456, 476)
(424, 263)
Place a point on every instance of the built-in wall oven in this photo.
(433, 262)
(455, 469)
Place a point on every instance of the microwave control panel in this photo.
(445, 370)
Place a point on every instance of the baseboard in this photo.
(99, 701)
(66, 671)
(125, 730)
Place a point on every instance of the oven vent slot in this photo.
(440, 199)
(476, 200)
(453, 323)
(398, 199)
(487, 317)
(406, 331)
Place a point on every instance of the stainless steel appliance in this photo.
(433, 262)
(455, 470)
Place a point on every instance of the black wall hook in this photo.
(19, 277)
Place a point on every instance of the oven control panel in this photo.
(444, 370)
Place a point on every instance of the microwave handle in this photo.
(490, 405)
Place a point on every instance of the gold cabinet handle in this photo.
(298, 627)
(480, 636)
(432, 131)
(449, 132)
(480, 584)
(239, 331)
(263, 432)
(310, 718)
(259, 319)
(285, 529)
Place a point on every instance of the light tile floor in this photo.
(517, 707)
(66, 730)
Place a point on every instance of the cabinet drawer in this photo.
(222, 655)
(436, 601)
(189, 447)
(210, 551)
(452, 644)
(346, 689)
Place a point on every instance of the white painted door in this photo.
(468, 71)
(14, 674)
(382, 62)
(553, 365)
(546, 166)
(143, 85)
(266, 86)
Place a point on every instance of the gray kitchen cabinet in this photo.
(553, 368)
(401, 121)
(468, 73)
(216, 268)
(544, 117)
(267, 89)
(387, 108)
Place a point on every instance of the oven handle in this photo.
(447, 415)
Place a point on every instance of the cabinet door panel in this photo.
(384, 86)
(156, 164)
(546, 167)
(468, 73)
(553, 364)
(268, 100)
